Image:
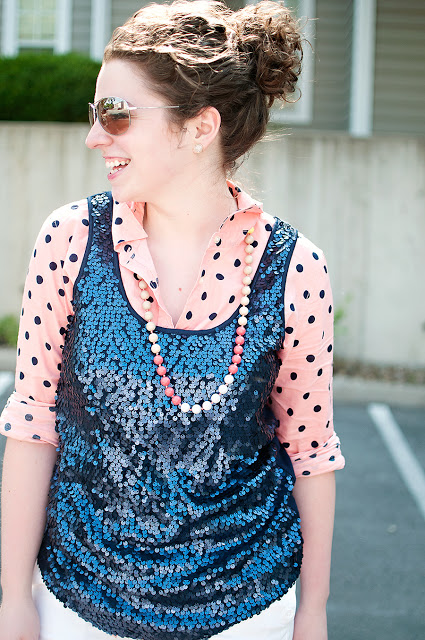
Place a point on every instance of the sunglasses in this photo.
(114, 114)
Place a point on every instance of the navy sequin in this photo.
(163, 525)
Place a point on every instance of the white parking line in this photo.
(6, 379)
(403, 456)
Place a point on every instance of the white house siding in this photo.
(123, 9)
(81, 15)
(400, 67)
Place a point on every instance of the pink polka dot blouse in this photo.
(302, 396)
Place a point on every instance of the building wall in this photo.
(81, 17)
(361, 201)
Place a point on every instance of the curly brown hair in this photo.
(200, 53)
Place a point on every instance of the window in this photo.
(36, 24)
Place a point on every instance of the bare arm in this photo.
(27, 471)
(315, 497)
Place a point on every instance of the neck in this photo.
(192, 213)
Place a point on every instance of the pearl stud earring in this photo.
(198, 148)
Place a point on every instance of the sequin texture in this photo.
(163, 525)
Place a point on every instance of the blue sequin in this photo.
(163, 525)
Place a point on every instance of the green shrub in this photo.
(48, 88)
(9, 327)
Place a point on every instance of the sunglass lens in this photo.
(114, 115)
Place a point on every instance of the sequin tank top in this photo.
(163, 525)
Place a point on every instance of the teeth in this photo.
(112, 164)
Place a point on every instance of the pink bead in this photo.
(161, 371)
(176, 400)
(169, 391)
(233, 369)
(241, 331)
(236, 359)
(239, 340)
(165, 381)
(238, 349)
(158, 359)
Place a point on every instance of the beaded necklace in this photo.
(158, 360)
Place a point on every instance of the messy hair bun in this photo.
(200, 53)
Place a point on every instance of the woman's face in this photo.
(155, 152)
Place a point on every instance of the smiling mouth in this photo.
(116, 165)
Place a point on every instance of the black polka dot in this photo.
(49, 306)
(310, 358)
(48, 238)
(7, 426)
(306, 294)
(313, 455)
(254, 244)
(203, 273)
(289, 330)
(327, 424)
(216, 255)
(231, 299)
(118, 220)
(332, 458)
(299, 268)
(322, 293)
(29, 294)
(73, 257)
(319, 373)
(53, 266)
(59, 366)
(315, 256)
(306, 473)
(37, 320)
(70, 238)
(34, 360)
(36, 436)
(62, 263)
(204, 296)
(317, 408)
(279, 389)
(39, 279)
(27, 335)
(268, 227)
(237, 263)
(22, 312)
(311, 319)
(62, 331)
(35, 252)
(61, 292)
(329, 348)
(28, 417)
(189, 315)
(47, 345)
(74, 206)
(330, 308)
(21, 375)
(294, 376)
(219, 276)
(290, 411)
(212, 316)
(153, 284)
(85, 222)
(314, 444)
(292, 307)
(47, 383)
(325, 269)
(55, 223)
(296, 343)
(286, 445)
(301, 428)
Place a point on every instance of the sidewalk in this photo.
(347, 389)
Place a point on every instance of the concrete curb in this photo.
(347, 389)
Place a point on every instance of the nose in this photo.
(97, 137)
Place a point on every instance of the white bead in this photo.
(248, 259)
(153, 337)
(249, 248)
(142, 284)
(155, 348)
(245, 290)
(247, 280)
(184, 407)
(206, 405)
(243, 311)
(247, 270)
(196, 408)
(228, 379)
(223, 389)
(217, 239)
(144, 294)
(146, 305)
(215, 398)
(245, 300)
(148, 315)
(249, 239)
(242, 321)
(150, 326)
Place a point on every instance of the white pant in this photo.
(58, 623)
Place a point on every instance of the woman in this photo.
(189, 336)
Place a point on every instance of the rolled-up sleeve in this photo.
(302, 396)
(29, 413)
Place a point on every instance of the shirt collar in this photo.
(127, 220)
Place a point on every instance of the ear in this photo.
(204, 127)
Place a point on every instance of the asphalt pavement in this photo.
(378, 564)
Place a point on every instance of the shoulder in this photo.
(70, 219)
